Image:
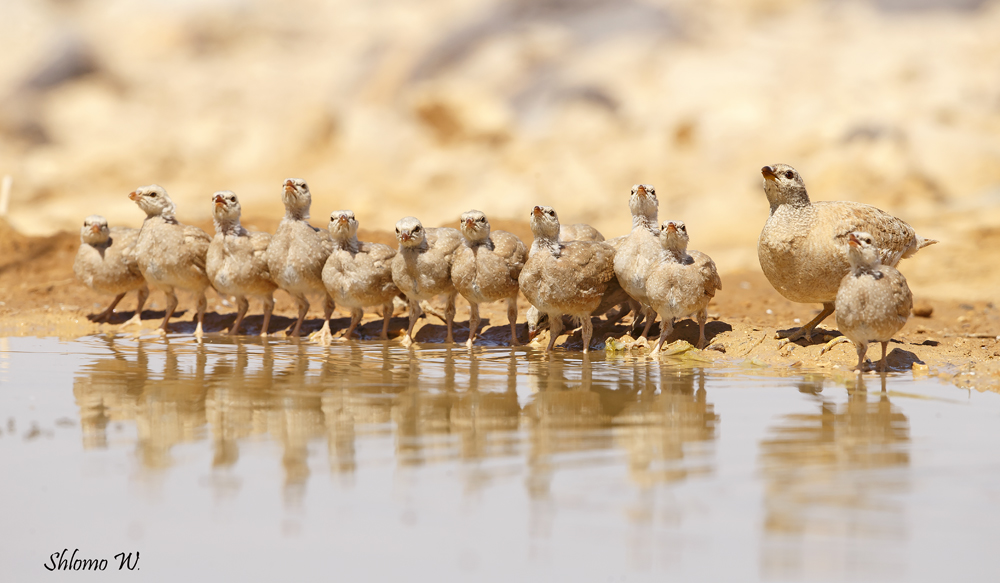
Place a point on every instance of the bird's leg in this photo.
(636, 308)
(666, 329)
(136, 320)
(555, 328)
(702, 318)
(862, 349)
(622, 311)
(512, 319)
(268, 308)
(202, 306)
(587, 332)
(323, 335)
(414, 314)
(242, 305)
(806, 331)
(650, 318)
(171, 306)
(449, 315)
(829, 345)
(473, 323)
(106, 314)
(882, 364)
(386, 316)
(303, 309)
(356, 315)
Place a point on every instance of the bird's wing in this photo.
(893, 236)
(710, 274)
(511, 249)
(196, 242)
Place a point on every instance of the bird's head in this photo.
(153, 200)
(861, 250)
(474, 225)
(343, 225)
(643, 202)
(544, 222)
(297, 198)
(95, 230)
(783, 185)
(674, 236)
(409, 232)
(226, 206)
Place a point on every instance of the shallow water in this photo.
(259, 460)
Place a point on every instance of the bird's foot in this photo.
(133, 321)
(406, 341)
(322, 336)
(198, 332)
(829, 345)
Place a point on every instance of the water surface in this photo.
(259, 460)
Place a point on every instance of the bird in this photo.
(170, 254)
(105, 263)
(565, 277)
(421, 268)
(486, 267)
(681, 283)
(639, 251)
(236, 263)
(873, 302)
(802, 248)
(297, 254)
(358, 274)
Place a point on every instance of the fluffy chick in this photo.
(297, 254)
(682, 283)
(639, 252)
(106, 264)
(873, 302)
(359, 274)
(235, 263)
(485, 269)
(565, 277)
(802, 248)
(170, 254)
(422, 268)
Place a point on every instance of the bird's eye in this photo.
(482, 219)
(397, 231)
(789, 174)
(416, 229)
(550, 213)
(232, 199)
(152, 194)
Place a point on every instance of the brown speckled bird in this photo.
(873, 302)
(106, 264)
(297, 253)
(359, 274)
(170, 254)
(421, 268)
(682, 283)
(803, 250)
(235, 264)
(486, 267)
(565, 277)
(640, 250)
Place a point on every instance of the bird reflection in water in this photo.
(834, 473)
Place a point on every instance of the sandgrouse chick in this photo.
(565, 277)
(873, 302)
(682, 283)
(359, 274)
(802, 248)
(485, 269)
(640, 251)
(235, 263)
(105, 263)
(297, 253)
(422, 268)
(170, 254)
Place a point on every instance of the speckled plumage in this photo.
(235, 263)
(639, 252)
(105, 262)
(358, 274)
(486, 267)
(421, 268)
(802, 248)
(565, 277)
(297, 253)
(579, 232)
(873, 302)
(682, 283)
(170, 254)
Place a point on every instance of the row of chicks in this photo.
(569, 270)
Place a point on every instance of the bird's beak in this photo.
(768, 173)
(289, 185)
(532, 334)
(671, 227)
(219, 200)
(469, 223)
(537, 211)
(133, 196)
(342, 219)
(405, 236)
(641, 191)
(853, 241)
(95, 229)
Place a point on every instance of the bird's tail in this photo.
(918, 244)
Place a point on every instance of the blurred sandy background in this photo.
(431, 108)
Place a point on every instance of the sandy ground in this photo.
(957, 341)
